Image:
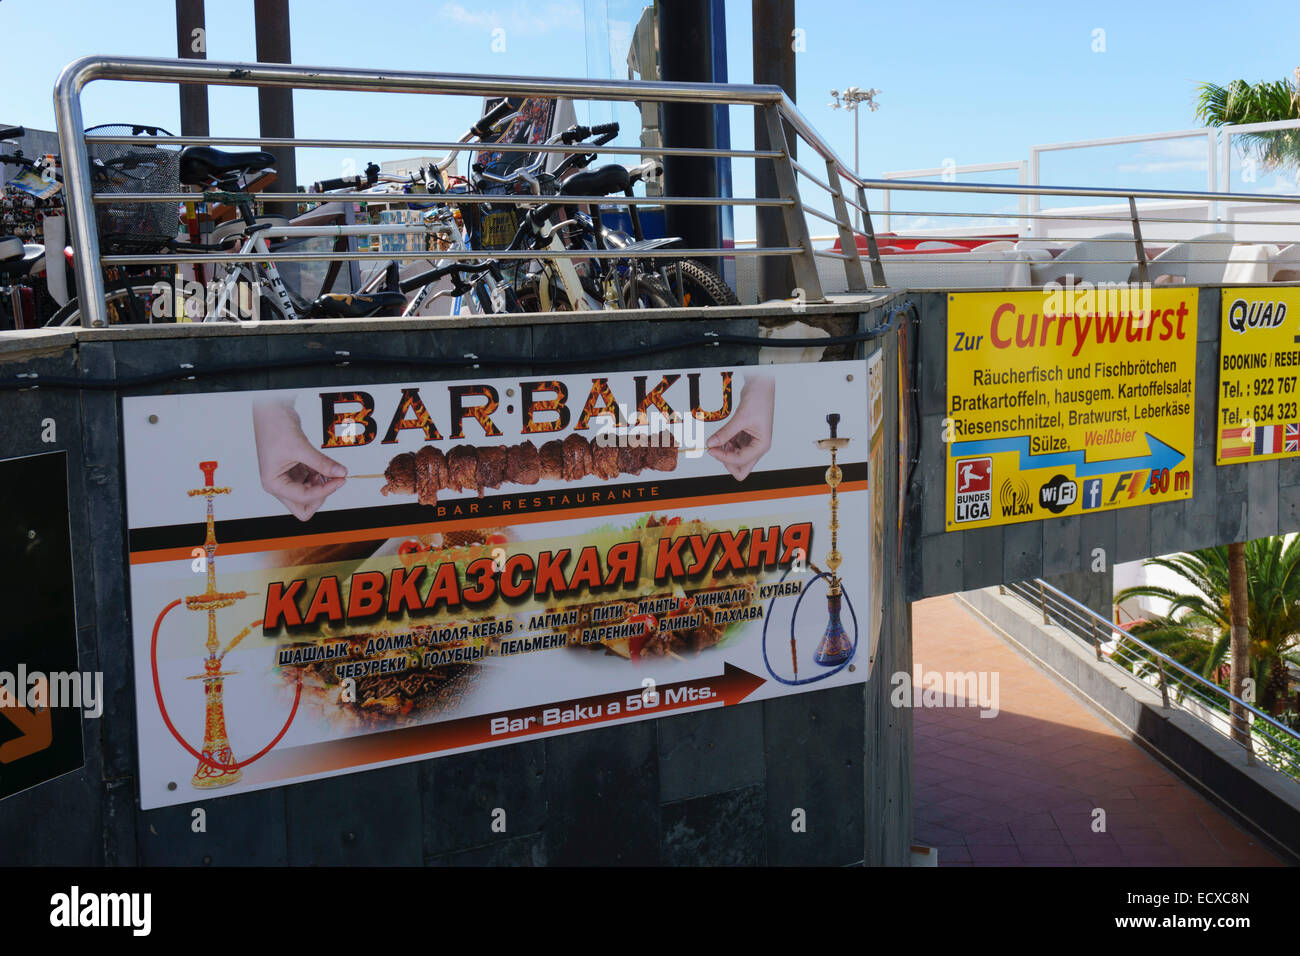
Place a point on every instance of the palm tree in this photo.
(1197, 630)
(1266, 102)
(1239, 639)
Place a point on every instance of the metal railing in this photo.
(779, 112)
(1163, 218)
(1210, 137)
(1260, 736)
(839, 188)
(949, 174)
(1141, 228)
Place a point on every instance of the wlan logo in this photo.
(1014, 498)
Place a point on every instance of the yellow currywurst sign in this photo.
(1068, 402)
(1259, 365)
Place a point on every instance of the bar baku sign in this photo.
(326, 580)
(1259, 403)
(1068, 402)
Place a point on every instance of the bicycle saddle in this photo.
(598, 182)
(19, 258)
(198, 164)
(336, 305)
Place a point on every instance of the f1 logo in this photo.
(1130, 480)
(1091, 493)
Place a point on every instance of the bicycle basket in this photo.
(134, 168)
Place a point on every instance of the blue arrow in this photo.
(1158, 456)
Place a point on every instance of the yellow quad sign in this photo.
(1259, 365)
(1068, 402)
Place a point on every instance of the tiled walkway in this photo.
(1021, 788)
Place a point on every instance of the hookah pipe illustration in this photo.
(835, 650)
(217, 764)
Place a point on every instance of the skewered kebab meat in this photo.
(466, 467)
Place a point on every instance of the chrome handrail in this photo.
(81, 201)
(1086, 624)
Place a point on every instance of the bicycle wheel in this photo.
(137, 304)
(700, 285)
(142, 304)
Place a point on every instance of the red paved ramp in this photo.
(1020, 788)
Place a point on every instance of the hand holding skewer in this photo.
(292, 469)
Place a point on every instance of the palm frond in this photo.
(1268, 101)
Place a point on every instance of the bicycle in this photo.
(135, 294)
(572, 283)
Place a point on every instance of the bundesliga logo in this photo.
(974, 490)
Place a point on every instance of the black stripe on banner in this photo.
(655, 494)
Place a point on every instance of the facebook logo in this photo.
(1091, 493)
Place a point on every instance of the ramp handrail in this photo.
(1274, 743)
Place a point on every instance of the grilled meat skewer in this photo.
(465, 467)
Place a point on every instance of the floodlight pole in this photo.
(853, 98)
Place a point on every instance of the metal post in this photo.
(1096, 641)
(275, 104)
(774, 62)
(1164, 687)
(857, 169)
(848, 241)
(192, 45)
(77, 192)
(873, 250)
(1042, 602)
(1143, 276)
(686, 55)
(796, 225)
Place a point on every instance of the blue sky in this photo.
(962, 82)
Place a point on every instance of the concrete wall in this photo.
(1232, 503)
(714, 787)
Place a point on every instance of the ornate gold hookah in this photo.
(222, 770)
(835, 647)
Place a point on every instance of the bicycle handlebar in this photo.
(576, 134)
(342, 182)
(490, 119)
(371, 178)
(454, 270)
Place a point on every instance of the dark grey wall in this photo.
(1231, 503)
(712, 787)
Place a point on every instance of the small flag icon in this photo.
(1268, 440)
(1236, 442)
(1291, 440)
